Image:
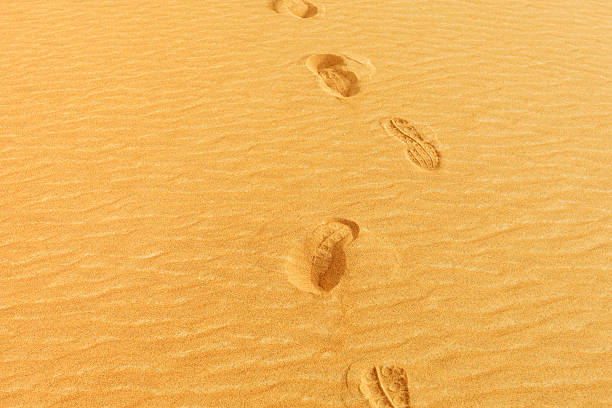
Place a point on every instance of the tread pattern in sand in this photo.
(420, 151)
(385, 387)
(326, 245)
(340, 81)
(339, 75)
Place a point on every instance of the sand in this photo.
(256, 204)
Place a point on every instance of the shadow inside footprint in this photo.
(321, 61)
(328, 279)
(297, 8)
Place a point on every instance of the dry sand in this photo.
(224, 204)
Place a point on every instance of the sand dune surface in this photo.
(306, 204)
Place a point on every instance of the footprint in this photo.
(297, 8)
(339, 75)
(351, 258)
(383, 382)
(341, 82)
(319, 264)
(420, 151)
(385, 386)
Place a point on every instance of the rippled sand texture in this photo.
(160, 161)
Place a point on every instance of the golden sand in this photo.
(306, 204)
